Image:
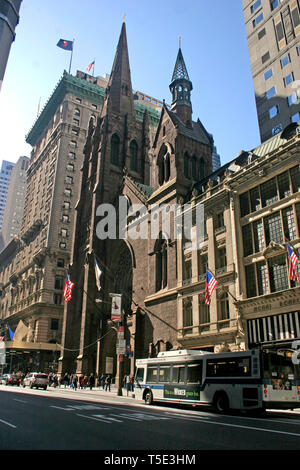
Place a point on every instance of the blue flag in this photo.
(66, 45)
(11, 334)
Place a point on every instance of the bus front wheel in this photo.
(148, 398)
(221, 403)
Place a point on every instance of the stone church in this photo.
(123, 162)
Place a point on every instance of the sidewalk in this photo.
(96, 391)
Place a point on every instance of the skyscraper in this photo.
(5, 175)
(273, 34)
(15, 200)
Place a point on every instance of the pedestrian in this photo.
(107, 383)
(103, 378)
(85, 382)
(132, 383)
(91, 381)
(66, 380)
(74, 382)
(81, 381)
(127, 384)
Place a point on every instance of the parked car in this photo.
(10, 379)
(36, 379)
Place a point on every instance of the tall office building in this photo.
(273, 34)
(5, 175)
(9, 18)
(15, 201)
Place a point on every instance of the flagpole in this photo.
(71, 57)
(94, 68)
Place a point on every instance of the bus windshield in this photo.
(278, 364)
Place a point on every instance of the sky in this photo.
(213, 43)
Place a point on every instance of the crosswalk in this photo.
(106, 414)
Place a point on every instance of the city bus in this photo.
(257, 379)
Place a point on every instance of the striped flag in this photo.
(90, 66)
(98, 273)
(68, 288)
(210, 284)
(293, 260)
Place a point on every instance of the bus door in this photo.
(279, 377)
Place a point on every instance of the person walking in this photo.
(107, 383)
(103, 378)
(91, 381)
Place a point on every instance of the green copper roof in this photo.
(67, 84)
(85, 90)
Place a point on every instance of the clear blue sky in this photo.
(213, 43)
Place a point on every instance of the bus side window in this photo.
(178, 374)
(164, 373)
(194, 373)
(152, 374)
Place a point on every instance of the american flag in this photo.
(293, 260)
(90, 66)
(68, 288)
(210, 284)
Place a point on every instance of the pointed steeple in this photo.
(180, 88)
(119, 97)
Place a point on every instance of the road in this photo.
(79, 420)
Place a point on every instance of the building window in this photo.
(186, 162)
(273, 229)
(57, 298)
(187, 307)
(76, 112)
(187, 271)
(271, 92)
(58, 283)
(285, 60)
(288, 79)
(295, 178)
(259, 238)
(202, 265)
(65, 218)
(223, 311)
(295, 14)
(268, 74)
(257, 20)
(265, 57)
(54, 324)
(161, 261)
(204, 314)
(60, 263)
(273, 111)
(255, 199)
(67, 205)
(70, 167)
(64, 232)
(219, 220)
(133, 155)
(62, 245)
(269, 192)
(283, 181)
(295, 117)
(194, 169)
(250, 281)
(274, 4)
(262, 278)
(68, 192)
(289, 224)
(69, 179)
(247, 240)
(278, 274)
(292, 99)
(72, 155)
(114, 149)
(255, 6)
(221, 259)
(277, 129)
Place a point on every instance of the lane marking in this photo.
(95, 419)
(8, 424)
(20, 401)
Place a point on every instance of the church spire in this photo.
(180, 88)
(119, 97)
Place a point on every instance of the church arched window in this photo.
(114, 149)
(201, 169)
(186, 164)
(133, 155)
(194, 168)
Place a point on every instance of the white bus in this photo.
(244, 380)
